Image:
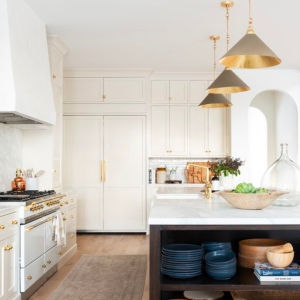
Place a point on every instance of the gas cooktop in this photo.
(12, 196)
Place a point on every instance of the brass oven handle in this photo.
(101, 171)
(104, 170)
(36, 225)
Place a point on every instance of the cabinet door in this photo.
(178, 92)
(160, 90)
(11, 266)
(124, 90)
(160, 127)
(217, 131)
(57, 140)
(178, 130)
(198, 131)
(125, 175)
(197, 91)
(57, 69)
(83, 90)
(83, 167)
(2, 270)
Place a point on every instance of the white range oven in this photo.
(39, 254)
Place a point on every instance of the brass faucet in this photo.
(208, 186)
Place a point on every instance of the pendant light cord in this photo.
(250, 15)
(227, 18)
(215, 62)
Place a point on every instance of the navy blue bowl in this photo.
(221, 267)
(221, 275)
(210, 249)
(216, 244)
(220, 257)
(177, 248)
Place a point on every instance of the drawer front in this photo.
(51, 258)
(9, 223)
(72, 217)
(32, 273)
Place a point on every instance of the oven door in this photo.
(33, 239)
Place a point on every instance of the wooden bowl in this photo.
(280, 260)
(255, 250)
(251, 201)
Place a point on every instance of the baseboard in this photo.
(67, 256)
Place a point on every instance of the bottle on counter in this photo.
(18, 184)
(215, 183)
(161, 175)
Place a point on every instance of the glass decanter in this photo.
(284, 175)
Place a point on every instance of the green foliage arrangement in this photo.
(228, 165)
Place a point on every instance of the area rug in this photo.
(103, 278)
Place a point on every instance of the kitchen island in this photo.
(195, 221)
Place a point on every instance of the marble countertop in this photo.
(179, 192)
(217, 211)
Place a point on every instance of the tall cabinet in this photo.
(105, 162)
(57, 50)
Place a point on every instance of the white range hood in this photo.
(26, 96)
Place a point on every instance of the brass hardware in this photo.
(8, 248)
(103, 96)
(170, 151)
(54, 171)
(53, 76)
(44, 266)
(101, 171)
(66, 202)
(49, 262)
(62, 213)
(38, 224)
(104, 170)
(72, 216)
(72, 200)
(208, 186)
(64, 219)
(170, 99)
(60, 253)
(36, 207)
(29, 277)
(61, 204)
(2, 227)
(72, 235)
(15, 222)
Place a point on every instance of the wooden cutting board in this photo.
(197, 175)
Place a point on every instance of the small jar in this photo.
(161, 175)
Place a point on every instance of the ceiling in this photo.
(164, 35)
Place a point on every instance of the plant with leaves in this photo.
(228, 165)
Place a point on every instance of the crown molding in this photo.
(183, 75)
(108, 73)
(56, 41)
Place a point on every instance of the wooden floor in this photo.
(98, 245)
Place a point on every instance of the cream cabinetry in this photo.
(197, 91)
(169, 91)
(105, 162)
(9, 255)
(169, 126)
(57, 50)
(107, 90)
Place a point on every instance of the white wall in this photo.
(10, 154)
(287, 81)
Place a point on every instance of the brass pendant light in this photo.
(250, 52)
(215, 100)
(227, 82)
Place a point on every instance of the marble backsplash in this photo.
(10, 154)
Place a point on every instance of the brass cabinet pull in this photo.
(15, 222)
(53, 76)
(64, 219)
(49, 262)
(8, 248)
(66, 202)
(72, 200)
(44, 266)
(72, 216)
(29, 277)
(72, 235)
(2, 227)
(104, 170)
(101, 171)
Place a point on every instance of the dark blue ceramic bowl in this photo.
(222, 257)
(221, 275)
(221, 267)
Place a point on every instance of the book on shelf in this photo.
(266, 269)
(277, 278)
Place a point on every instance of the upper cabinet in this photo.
(98, 90)
(57, 68)
(169, 91)
(197, 91)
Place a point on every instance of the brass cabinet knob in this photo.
(2, 227)
(44, 266)
(72, 235)
(72, 200)
(60, 253)
(103, 96)
(170, 99)
(72, 216)
(170, 151)
(66, 202)
(29, 277)
(62, 213)
(61, 204)
(49, 262)
(54, 171)
(15, 222)
(53, 76)
(8, 248)
(64, 219)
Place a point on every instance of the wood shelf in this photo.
(244, 280)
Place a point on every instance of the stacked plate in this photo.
(215, 246)
(182, 260)
(220, 265)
